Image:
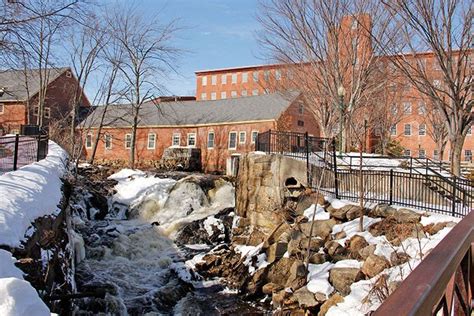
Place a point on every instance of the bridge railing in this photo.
(20, 150)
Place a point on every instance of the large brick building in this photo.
(19, 102)
(221, 129)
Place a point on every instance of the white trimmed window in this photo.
(394, 109)
(242, 137)
(204, 81)
(210, 139)
(47, 112)
(437, 83)
(407, 108)
(176, 141)
(36, 110)
(255, 92)
(266, 75)
(407, 130)
(355, 24)
(151, 141)
(421, 108)
(422, 130)
(468, 155)
(191, 139)
(436, 154)
(233, 94)
(204, 96)
(213, 80)
(469, 131)
(407, 152)
(245, 77)
(213, 95)
(108, 141)
(243, 93)
(421, 153)
(233, 140)
(89, 141)
(254, 137)
(223, 95)
(234, 78)
(393, 130)
(2, 108)
(224, 79)
(128, 141)
(255, 76)
(277, 74)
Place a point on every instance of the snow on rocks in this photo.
(28, 193)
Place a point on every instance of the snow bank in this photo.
(17, 296)
(28, 193)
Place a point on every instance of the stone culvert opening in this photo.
(291, 182)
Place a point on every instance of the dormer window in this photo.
(68, 74)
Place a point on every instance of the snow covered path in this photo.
(26, 194)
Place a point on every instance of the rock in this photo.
(297, 269)
(355, 244)
(271, 288)
(301, 219)
(398, 258)
(295, 284)
(382, 210)
(305, 298)
(367, 251)
(294, 244)
(404, 215)
(279, 297)
(321, 228)
(307, 199)
(340, 235)
(255, 285)
(395, 231)
(342, 278)
(336, 251)
(374, 264)
(275, 235)
(332, 301)
(317, 258)
(355, 212)
(276, 251)
(434, 228)
(315, 244)
(279, 271)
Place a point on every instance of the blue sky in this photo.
(215, 34)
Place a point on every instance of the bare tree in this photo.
(436, 129)
(147, 55)
(445, 29)
(327, 46)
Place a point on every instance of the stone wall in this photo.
(265, 185)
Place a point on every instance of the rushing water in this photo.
(138, 264)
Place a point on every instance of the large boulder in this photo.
(279, 271)
(305, 298)
(401, 215)
(321, 228)
(355, 244)
(374, 264)
(342, 278)
(307, 199)
(332, 301)
(396, 231)
(341, 213)
(336, 251)
(276, 251)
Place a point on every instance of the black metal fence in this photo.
(407, 182)
(20, 150)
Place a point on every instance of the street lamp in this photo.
(341, 92)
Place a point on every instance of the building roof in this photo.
(185, 113)
(14, 83)
(226, 69)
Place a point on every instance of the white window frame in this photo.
(436, 154)
(223, 95)
(174, 137)
(244, 136)
(236, 140)
(2, 108)
(421, 153)
(213, 96)
(437, 83)
(213, 80)
(105, 141)
(224, 79)
(148, 141)
(407, 153)
(204, 81)
(234, 78)
(188, 138)
(244, 93)
(213, 139)
(393, 130)
(421, 108)
(254, 137)
(405, 130)
(422, 129)
(277, 74)
(35, 110)
(266, 75)
(255, 92)
(88, 141)
(245, 77)
(204, 96)
(255, 76)
(128, 141)
(407, 108)
(233, 94)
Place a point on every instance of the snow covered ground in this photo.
(26, 194)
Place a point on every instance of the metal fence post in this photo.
(269, 140)
(454, 198)
(38, 148)
(15, 155)
(336, 180)
(306, 144)
(391, 187)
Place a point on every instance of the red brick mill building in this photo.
(221, 129)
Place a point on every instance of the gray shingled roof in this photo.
(253, 108)
(14, 82)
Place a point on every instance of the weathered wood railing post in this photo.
(15, 155)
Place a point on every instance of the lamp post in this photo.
(341, 93)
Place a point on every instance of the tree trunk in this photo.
(456, 144)
(134, 137)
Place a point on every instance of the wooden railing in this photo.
(443, 283)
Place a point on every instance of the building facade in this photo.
(19, 102)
